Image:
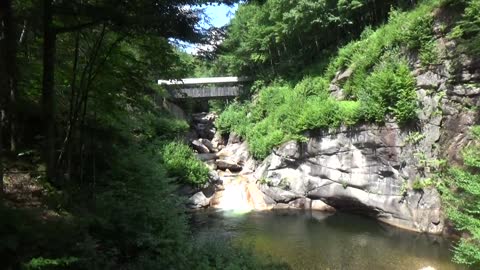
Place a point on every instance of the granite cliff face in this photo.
(365, 170)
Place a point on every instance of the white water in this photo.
(235, 197)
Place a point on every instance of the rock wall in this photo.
(367, 169)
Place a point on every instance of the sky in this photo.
(217, 16)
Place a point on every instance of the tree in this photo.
(166, 19)
(48, 96)
(282, 36)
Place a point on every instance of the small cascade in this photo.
(235, 197)
(232, 185)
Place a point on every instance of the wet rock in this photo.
(225, 165)
(199, 147)
(214, 178)
(319, 205)
(218, 140)
(301, 203)
(281, 206)
(208, 144)
(198, 200)
(278, 194)
(256, 197)
(207, 156)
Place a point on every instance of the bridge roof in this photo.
(198, 81)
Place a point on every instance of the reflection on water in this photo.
(315, 240)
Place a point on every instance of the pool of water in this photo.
(316, 240)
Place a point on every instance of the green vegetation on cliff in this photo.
(373, 72)
(461, 193)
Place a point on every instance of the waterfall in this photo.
(235, 197)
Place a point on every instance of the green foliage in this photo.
(234, 119)
(217, 106)
(281, 36)
(404, 188)
(33, 243)
(461, 192)
(43, 263)
(420, 184)
(420, 37)
(414, 137)
(429, 53)
(389, 89)
(467, 30)
(135, 202)
(180, 162)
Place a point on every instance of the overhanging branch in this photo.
(61, 30)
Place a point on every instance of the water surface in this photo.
(316, 240)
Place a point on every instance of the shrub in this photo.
(461, 194)
(419, 32)
(233, 118)
(390, 89)
(312, 86)
(349, 112)
(136, 202)
(180, 162)
(467, 30)
(263, 137)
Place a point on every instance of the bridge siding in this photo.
(206, 92)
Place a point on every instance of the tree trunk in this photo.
(48, 95)
(11, 69)
(3, 90)
(2, 124)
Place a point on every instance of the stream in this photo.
(317, 240)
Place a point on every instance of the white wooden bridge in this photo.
(205, 88)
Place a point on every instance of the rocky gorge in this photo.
(384, 171)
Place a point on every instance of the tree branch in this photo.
(75, 28)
